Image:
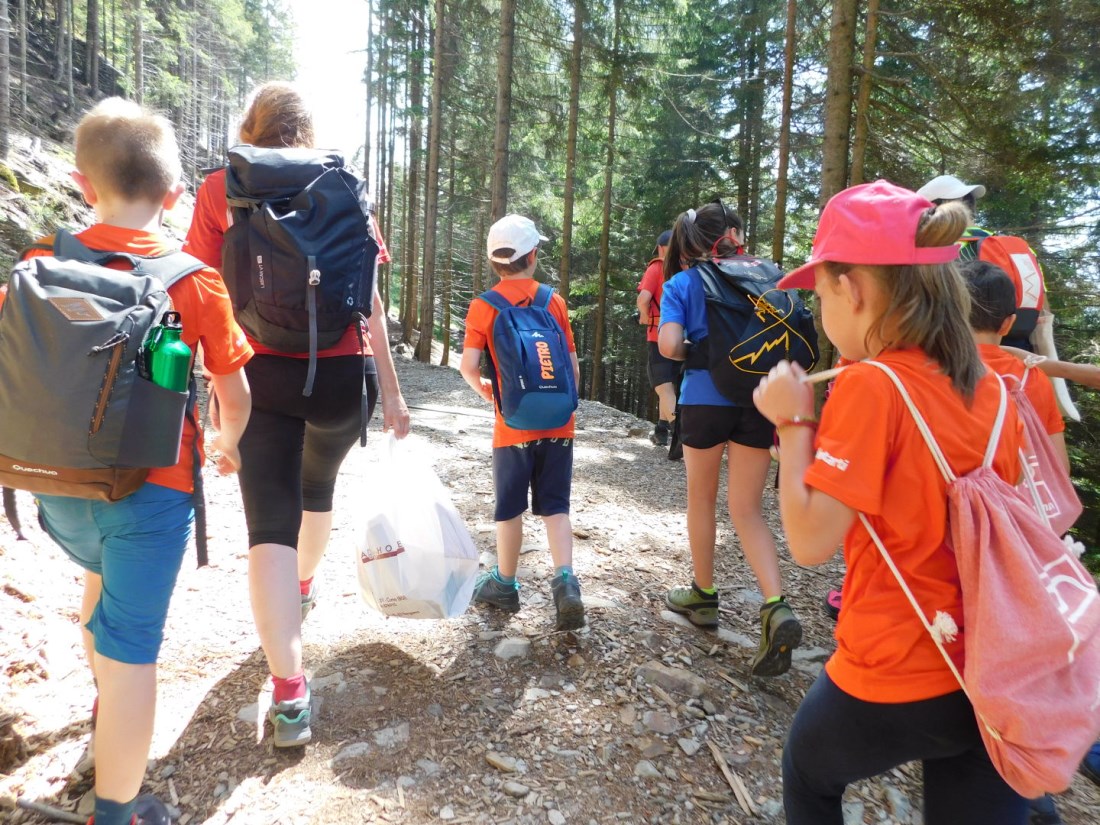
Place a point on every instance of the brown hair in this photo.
(928, 305)
(277, 116)
(518, 265)
(126, 151)
(694, 234)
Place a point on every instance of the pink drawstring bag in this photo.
(1045, 476)
(1032, 619)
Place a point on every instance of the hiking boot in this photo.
(148, 810)
(309, 600)
(568, 607)
(1042, 811)
(290, 719)
(700, 608)
(659, 436)
(832, 604)
(780, 634)
(490, 590)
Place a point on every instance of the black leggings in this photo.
(836, 739)
(293, 446)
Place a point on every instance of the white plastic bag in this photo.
(415, 557)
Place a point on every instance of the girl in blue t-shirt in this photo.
(713, 426)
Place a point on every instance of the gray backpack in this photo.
(78, 418)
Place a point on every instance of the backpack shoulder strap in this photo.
(171, 267)
(542, 296)
(495, 300)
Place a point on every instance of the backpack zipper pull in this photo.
(114, 341)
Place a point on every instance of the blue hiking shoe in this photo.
(290, 719)
(492, 591)
(148, 810)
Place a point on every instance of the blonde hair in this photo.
(127, 151)
(928, 305)
(277, 116)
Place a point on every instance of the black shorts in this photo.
(293, 446)
(661, 370)
(545, 466)
(703, 426)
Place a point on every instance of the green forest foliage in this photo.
(1003, 93)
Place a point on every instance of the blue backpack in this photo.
(533, 376)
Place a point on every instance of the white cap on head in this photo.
(949, 188)
(514, 233)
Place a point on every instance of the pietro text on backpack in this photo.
(78, 418)
(299, 256)
(752, 325)
(533, 376)
(1031, 616)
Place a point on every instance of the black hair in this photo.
(992, 295)
(695, 232)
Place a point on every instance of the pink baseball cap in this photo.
(873, 224)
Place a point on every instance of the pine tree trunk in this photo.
(781, 183)
(368, 73)
(863, 98)
(23, 56)
(449, 255)
(838, 99)
(416, 101)
(91, 48)
(605, 234)
(139, 52)
(431, 204)
(571, 147)
(5, 80)
(501, 135)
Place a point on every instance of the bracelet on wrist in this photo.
(797, 421)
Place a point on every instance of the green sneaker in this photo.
(290, 719)
(780, 634)
(700, 608)
(492, 591)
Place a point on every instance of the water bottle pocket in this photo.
(153, 428)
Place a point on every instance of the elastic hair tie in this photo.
(690, 215)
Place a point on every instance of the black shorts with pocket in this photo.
(661, 370)
(703, 426)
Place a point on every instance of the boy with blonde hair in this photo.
(128, 169)
(539, 460)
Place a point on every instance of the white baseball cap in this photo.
(515, 233)
(949, 188)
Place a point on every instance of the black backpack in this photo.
(299, 255)
(752, 326)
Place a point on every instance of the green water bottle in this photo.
(168, 357)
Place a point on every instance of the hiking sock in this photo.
(706, 591)
(113, 813)
(501, 578)
(304, 585)
(292, 688)
(564, 570)
(772, 600)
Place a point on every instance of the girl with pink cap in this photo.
(882, 270)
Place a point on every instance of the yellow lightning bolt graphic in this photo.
(783, 340)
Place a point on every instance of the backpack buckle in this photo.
(314, 277)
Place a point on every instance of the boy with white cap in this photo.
(539, 460)
(949, 188)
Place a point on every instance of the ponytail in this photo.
(695, 234)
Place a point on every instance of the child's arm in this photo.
(644, 299)
(234, 407)
(814, 522)
(670, 341)
(1086, 374)
(471, 371)
(395, 413)
(576, 369)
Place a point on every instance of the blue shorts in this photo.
(137, 546)
(545, 466)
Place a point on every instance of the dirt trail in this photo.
(637, 718)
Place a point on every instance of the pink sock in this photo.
(303, 586)
(292, 688)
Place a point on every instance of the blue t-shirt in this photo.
(683, 302)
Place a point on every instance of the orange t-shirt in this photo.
(653, 282)
(207, 316)
(871, 457)
(1038, 389)
(205, 236)
(479, 327)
